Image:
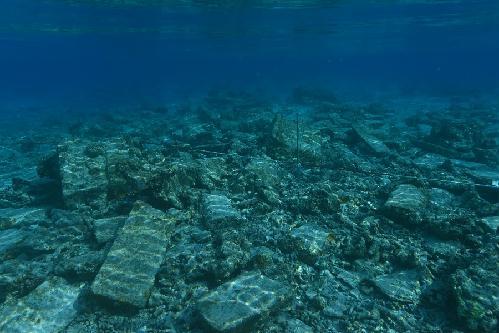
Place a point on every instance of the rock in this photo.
(339, 291)
(265, 172)
(79, 264)
(476, 290)
(298, 326)
(263, 176)
(127, 275)
(218, 211)
(84, 180)
(9, 239)
(492, 222)
(479, 171)
(129, 170)
(430, 161)
(340, 156)
(239, 303)
(173, 187)
(212, 173)
(374, 144)
(441, 199)
(47, 309)
(105, 230)
(21, 217)
(406, 204)
(297, 141)
(309, 242)
(402, 286)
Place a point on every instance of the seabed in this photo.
(234, 213)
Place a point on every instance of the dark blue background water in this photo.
(81, 55)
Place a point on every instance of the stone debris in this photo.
(237, 304)
(476, 290)
(127, 275)
(406, 204)
(105, 230)
(375, 145)
(492, 222)
(296, 140)
(9, 239)
(47, 309)
(310, 242)
(430, 161)
(236, 214)
(21, 217)
(401, 286)
(218, 211)
(83, 178)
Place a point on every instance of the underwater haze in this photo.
(265, 166)
(82, 52)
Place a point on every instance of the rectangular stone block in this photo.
(128, 273)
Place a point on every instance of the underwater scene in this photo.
(249, 166)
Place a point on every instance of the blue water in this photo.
(82, 54)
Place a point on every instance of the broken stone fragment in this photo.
(374, 144)
(218, 210)
(47, 309)
(127, 276)
(83, 178)
(402, 286)
(235, 305)
(406, 204)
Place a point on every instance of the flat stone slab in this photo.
(375, 145)
(21, 217)
(236, 304)
(402, 286)
(47, 309)
(127, 276)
